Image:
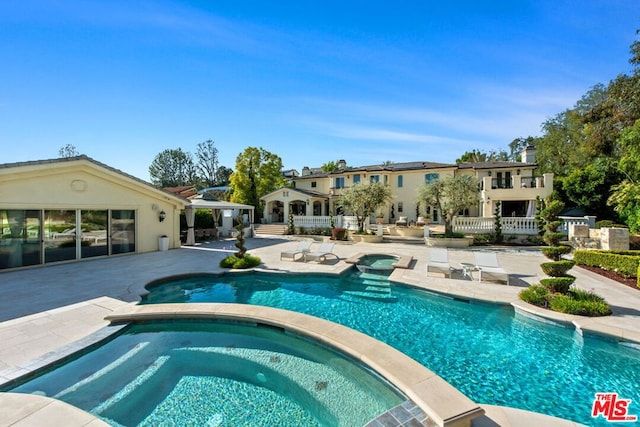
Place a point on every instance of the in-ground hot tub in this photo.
(377, 264)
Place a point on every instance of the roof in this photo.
(85, 158)
(391, 167)
(308, 193)
(201, 203)
(185, 191)
(495, 165)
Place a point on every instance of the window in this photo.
(374, 178)
(340, 182)
(431, 177)
(356, 178)
(400, 207)
(400, 181)
(314, 184)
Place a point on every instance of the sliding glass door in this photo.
(19, 238)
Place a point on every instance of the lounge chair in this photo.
(487, 265)
(402, 221)
(321, 254)
(439, 261)
(420, 222)
(304, 246)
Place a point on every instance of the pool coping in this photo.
(444, 404)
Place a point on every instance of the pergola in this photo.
(216, 207)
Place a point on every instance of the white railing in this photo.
(486, 225)
(316, 221)
(514, 224)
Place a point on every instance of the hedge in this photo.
(627, 263)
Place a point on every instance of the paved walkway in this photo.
(47, 308)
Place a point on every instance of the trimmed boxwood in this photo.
(247, 261)
(557, 268)
(555, 252)
(623, 262)
(558, 284)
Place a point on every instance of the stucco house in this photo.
(76, 208)
(514, 185)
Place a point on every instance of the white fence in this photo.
(486, 225)
(317, 221)
(514, 225)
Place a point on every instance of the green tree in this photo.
(363, 199)
(588, 187)
(69, 150)
(173, 168)
(625, 198)
(449, 195)
(517, 146)
(207, 156)
(223, 176)
(257, 173)
(478, 156)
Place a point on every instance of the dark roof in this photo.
(391, 167)
(495, 165)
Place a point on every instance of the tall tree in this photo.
(257, 173)
(69, 150)
(207, 166)
(478, 156)
(517, 146)
(173, 168)
(625, 198)
(223, 176)
(363, 198)
(449, 195)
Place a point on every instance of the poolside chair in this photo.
(304, 246)
(439, 261)
(402, 221)
(321, 254)
(487, 265)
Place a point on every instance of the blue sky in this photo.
(311, 81)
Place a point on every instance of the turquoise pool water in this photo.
(487, 352)
(188, 373)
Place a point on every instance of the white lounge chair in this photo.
(439, 261)
(304, 246)
(321, 254)
(487, 265)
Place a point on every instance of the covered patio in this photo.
(227, 211)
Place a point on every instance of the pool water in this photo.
(207, 373)
(487, 352)
(377, 264)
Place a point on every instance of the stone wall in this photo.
(583, 237)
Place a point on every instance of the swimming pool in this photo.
(487, 352)
(210, 373)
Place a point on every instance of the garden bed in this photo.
(628, 281)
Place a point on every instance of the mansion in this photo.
(514, 185)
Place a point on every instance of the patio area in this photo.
(48, 311)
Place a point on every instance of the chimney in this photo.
(342, 164)
(306, 171)
(529, 154)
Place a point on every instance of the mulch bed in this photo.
(628, 281)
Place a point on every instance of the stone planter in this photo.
(366, 238)
(409, 231)
(448, 242)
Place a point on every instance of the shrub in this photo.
(536, 295)
(339, 233)
(557, 268)
(558, 284)
(555, 252)
(624, 262)
(247, 261)
(607, 223)
(569, 305)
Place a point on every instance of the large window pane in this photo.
(60, 235)
(94, 234)
(19, 238)
(123, 236)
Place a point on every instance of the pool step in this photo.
(379, 290)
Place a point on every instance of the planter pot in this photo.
(366, 238)
(409, 231)
(163, 243)
(448, 242)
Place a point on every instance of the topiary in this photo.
(535, 294)
(558, 284)
(557, 268)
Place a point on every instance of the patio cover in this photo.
(201, 203)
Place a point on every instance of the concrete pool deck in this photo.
(47, 308)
